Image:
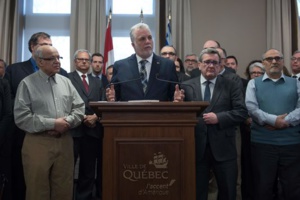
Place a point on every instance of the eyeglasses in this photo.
(270, 59)
(83, 59)
(52, 58)
(168, 53)
(256, 73)
(189, 60)
(295, 59)
(210, 62)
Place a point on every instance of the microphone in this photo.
(121, 82)
(176, 82)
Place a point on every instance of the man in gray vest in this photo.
(273, 103)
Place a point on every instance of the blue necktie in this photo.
(207, 91)
(143, 74)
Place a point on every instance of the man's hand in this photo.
(178, 94)
(210, 118)
(61, 125)
(280, 122)
(110, 93)
(90, 120)
(54, 133)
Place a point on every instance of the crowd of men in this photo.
(247, 140)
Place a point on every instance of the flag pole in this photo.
(109, 18)
(169, 16)
(142, 16)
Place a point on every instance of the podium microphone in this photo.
(176, 82)
(121, 82)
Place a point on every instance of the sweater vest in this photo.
(276, 98)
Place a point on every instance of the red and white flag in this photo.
(108, 48)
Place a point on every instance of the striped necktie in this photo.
(143, 74)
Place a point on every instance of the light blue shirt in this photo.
(261, 117)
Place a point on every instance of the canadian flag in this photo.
(108, 49)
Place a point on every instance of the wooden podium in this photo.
(148, 149)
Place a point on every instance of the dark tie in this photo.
(85, 84)
(207, 91)
(143, 74)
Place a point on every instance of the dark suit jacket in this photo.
(6, 117)
(127, 69)
(228, 104)
(95, 94)
(233, 76)
(104, 81)
(182, 76)
(17, 71)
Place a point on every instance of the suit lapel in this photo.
(155, 66)
(218, 89)
(77, 78)
(195, 89)
(28, 68)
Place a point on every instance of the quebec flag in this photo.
(169, 34)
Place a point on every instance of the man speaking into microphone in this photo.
(134, 78)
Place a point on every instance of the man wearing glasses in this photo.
(215, 131)
(88, 135)
(295, 64)
(15, 74)
(47, 106)
(169, 52)
(190, 63)
(273, 103)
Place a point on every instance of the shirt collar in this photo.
(203, 79)
(97, 76)
(45, 77)
(298, 75)
(80, 73)
(265, 77)
(148, 59)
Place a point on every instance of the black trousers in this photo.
(270, 162)
(225, 173)
(90, 154)
(18, 181)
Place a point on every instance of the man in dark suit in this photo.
(140, 72)
(169, 52)
(97, 68)
(215, 132)
(17, 71)
(6, 119)
(15, 74)
(88, 136)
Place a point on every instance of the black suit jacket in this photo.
(104, 81)
(228, 104)
(127, 69)
(6, 117)
(17, 71)
(95, 94)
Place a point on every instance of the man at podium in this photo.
(137, 77)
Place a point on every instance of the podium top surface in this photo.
(198, 106)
